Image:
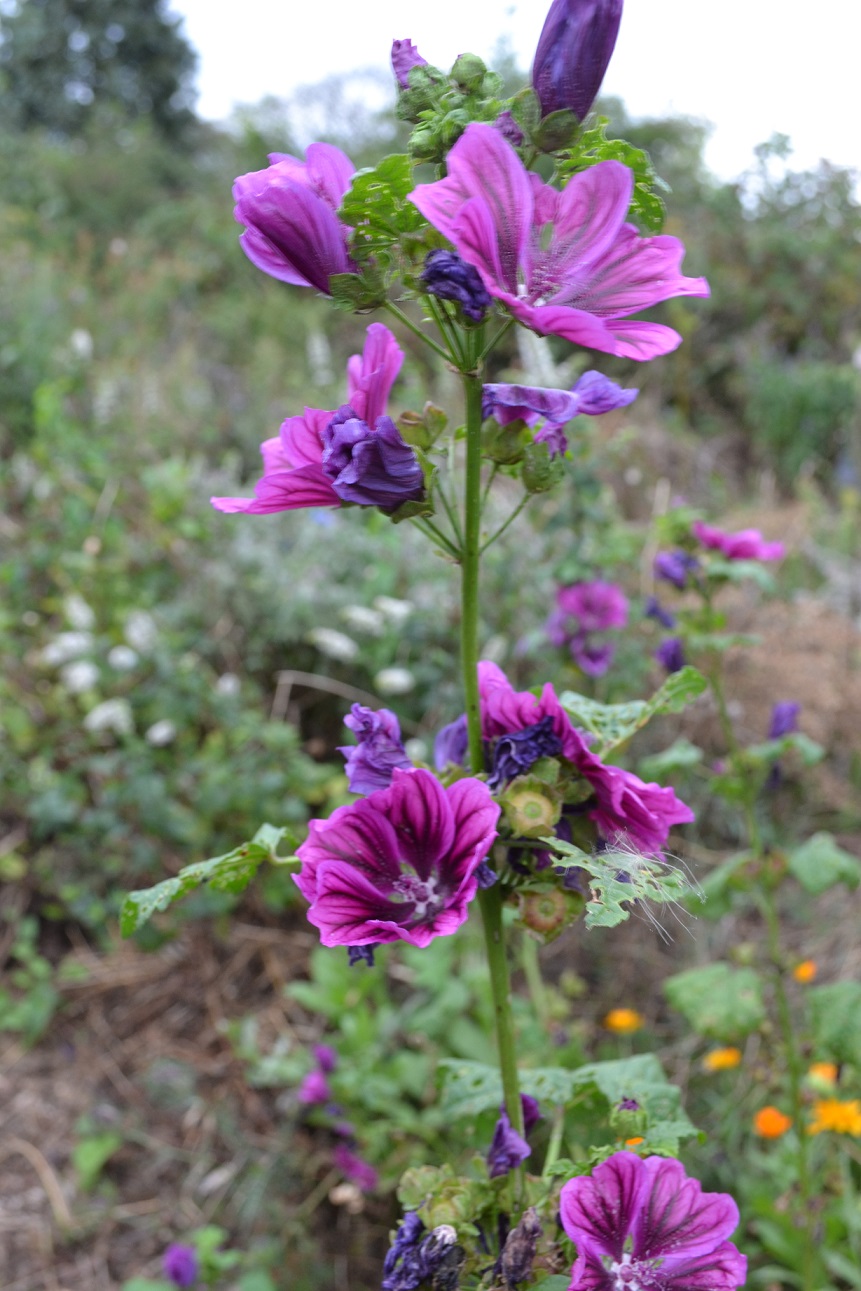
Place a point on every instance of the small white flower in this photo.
(78, 612)
(337, 645)
(81, 344)
(161, 733)
(416, 750)
(111, 715)
(228, 684)
(78, 676)
(397, 612)
(66, 646)
(364, 619)
(141, 631)
(394, 681)
(122, 657)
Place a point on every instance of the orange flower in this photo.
(623, 1021)
(822, 1073)
(843, 1117)
(632, 1143)
(805, 971)
(722, 1059)
(770, 1123)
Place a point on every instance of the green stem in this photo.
(436, 535)
(554, 1147)
(534, 981)
(491, 345)
(502, 528)
(417, 331)
(490, 899)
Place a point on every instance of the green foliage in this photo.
(30, 998)
(647, 207)
(91, 1154)
(229, 873)
(718, 1001)
(836, 1020)
(819, 864)
(614, 724)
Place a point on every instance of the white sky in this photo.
(751, 67)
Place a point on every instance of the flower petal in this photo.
(350, 911)
(590, 211)
(293, 235)
(677, 1218)
(599, 1212)
(284, 491)
(371, 374)
(475, 817)
(302, 436)
(634, 273)
(417, 807)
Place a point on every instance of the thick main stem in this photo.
(490, 899)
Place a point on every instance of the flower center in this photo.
(423, 892)
(629, 1274)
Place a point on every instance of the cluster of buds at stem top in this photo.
(574, 48)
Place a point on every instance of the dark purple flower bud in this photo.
(374, 468)
(447, 276)
(180, 1265)
(655, 610)
(784, 719)
(573, 51)
(314, 1088)
(507, 1148)
(531, 1112)
(676, 567)
(370, 763)
(516, 752)
(554, 437)
(628, 1105)
(591, 656)
(327, 1059)
(451, 744)
(519, 1250)
(670, 654)
(402, 1265)
(405, 57)
(361, 955)
(364, 1176)
(509, 129)
(485, 876)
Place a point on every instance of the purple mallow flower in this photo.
(676, 567)
(670, 654)
(364, 1176)
(400, 864)
(356, 454)
(592, 657)
(784, 719)
(623, 804)
(592, 395)
(747, 544)
(507, 1149)
(655, 610)
(516, 752)
(370, 763)
(290, 212)
(448, 276)
(564, 263)
(314, 1088)
(405, 57)
(644, 1223)
(416, 1257)
(583, 609)
(180, 1265)
(574, 48)
(451, 744)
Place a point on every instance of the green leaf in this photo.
(91, 1154)
(718, 1001)
(619, 877)
(593, 146)
(556, 1282)
(614, 724)
(231, 872)
(718, 887)
(680, 756)
(836, 1018)
(377, 209)
(820, 864)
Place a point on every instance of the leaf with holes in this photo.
(614, 724)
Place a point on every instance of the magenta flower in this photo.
(644, 1223)
(370, 763)
(624, 805)
(314, 1088)
(748, 544)
(596, 605)
(322, 459)
(574, 48)
(405, 57)
(180, 1265)
(290, 212)
(564, 263)
(593, 394)
(359, 1172)
(400, 864)
(507, 1149)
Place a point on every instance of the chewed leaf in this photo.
(377, 209)
(231, 872)
(613, 724)
(618, 877)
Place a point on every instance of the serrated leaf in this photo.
(593, 146)
(614, 724)
(377, 209)
(718, 1001)
(231, 872)
(618, 878)
(820, 864)
(836, 1017)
